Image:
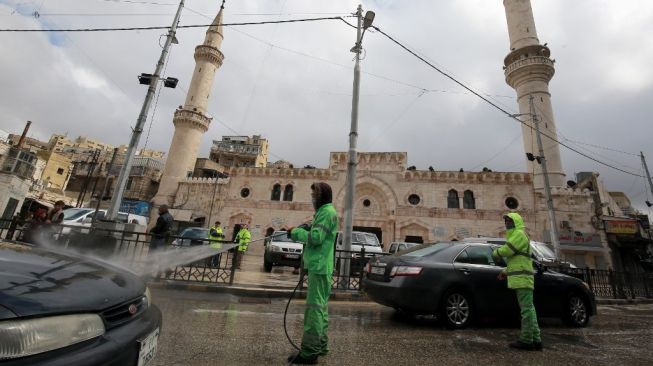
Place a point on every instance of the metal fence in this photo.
(614, 284)
(129, 248)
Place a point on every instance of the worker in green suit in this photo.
(519, 271)
(319, 239)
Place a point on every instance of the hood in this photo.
(36, 281)
(517, 219)
(323, 193)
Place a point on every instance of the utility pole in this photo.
(353, 136)
(363, 24)
(648, 175)
(553, 227)
(142, 117)
(106, 182)
(215, 187)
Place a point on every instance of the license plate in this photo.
(378, 270)
(148, 348)
(292, 256)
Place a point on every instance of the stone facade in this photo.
(390, 201)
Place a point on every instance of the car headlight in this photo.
(20, 338)
(275, 248)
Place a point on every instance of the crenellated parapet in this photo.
(372, 161)
(194, 119)
(210, 54)
(202, 180)
(319, 174)
(466, 177)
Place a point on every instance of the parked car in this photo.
(398, 246)
(280, 250)
(192, 236)
(83, 217)
(540, 251)
(60, 309)
(458, 283)
(359, 241)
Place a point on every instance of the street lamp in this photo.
(363, 24)
(146, 79)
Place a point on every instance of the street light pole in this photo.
(553, 227)
(116, 199)
(353, 136)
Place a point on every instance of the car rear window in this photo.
(425, 251)
(365, 239)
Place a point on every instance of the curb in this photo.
(636, 301)
(258, 292)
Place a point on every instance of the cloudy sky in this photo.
(292, 83)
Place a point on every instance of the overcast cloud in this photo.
(292, 82)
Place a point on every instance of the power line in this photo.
(495, 105)
(139, 2)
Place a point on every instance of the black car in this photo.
(458, 283)
(57, 308)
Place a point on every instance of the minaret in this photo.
(528, 70)
(191, 121)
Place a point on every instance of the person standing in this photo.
(55, 216)
(319, 242)
(519, 271)
(161, 229)
(215, 238)
(242, 238)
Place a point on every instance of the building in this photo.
(56, 172)
(237, 151)
(17, 168)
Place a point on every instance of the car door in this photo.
(477, 269)
(549, 292)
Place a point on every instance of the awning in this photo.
(181, 214)
(582, 248)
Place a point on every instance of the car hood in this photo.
(35, 281)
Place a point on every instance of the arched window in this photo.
(468, 200)
(452, 199)
(276, 192)
(287, 193)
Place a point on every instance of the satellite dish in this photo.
(571, 184)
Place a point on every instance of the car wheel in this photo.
(456, 309)
(267, 266)
(576, 311)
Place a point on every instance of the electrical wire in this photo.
(495, 105)
(168, 27)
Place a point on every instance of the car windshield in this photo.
(74, 213)
(542, 250)
(281, 236)
(195, 233)
(364, 239)
(419, 251)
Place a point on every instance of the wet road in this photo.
(219, 329)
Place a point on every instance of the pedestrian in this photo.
(319, 240)
(520, 274)
(161, 229)
(55, 216)
(215, 240)
(35, 228)
(242, 238)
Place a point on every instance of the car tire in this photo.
(456, 310)
(267, 266)
(576, 311)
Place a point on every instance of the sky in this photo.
(292, 83)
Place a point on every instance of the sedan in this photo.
(458, 283)
(57, 309)
(192, 236)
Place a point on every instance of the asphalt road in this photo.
(218, 329)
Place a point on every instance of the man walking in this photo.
(242, 238)
(318, 241)
(519, 271)
(161, 230)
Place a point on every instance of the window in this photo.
(468, 200)
(476, 255)
(452, 199)
(413, 199)
(366, 203)
(244, 193)
(276, 192)
(129, 183)
(287, 192)
(512, 203)
(60, 171)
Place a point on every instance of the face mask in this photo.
(510, 225)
